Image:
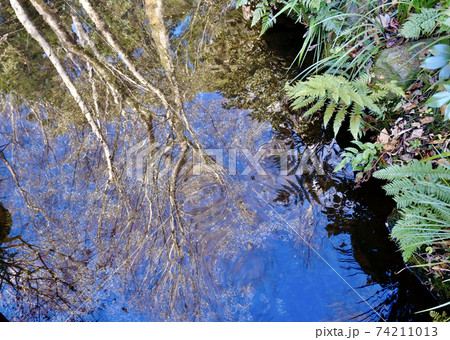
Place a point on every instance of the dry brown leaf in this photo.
(415, 86)
(417, 133)
(389, 146)
(409, 106)
(384, 20)
(383, 137)
(398, 132)
(439, 141)
(406, 157)
(427, 120)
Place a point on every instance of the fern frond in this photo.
(312, 4)
(355, 121)
(316, 107)
(420, 23)
(258, 13)
(423, 195)
(392, 87)
(362, 81)
(339, 119)
(302, 102)
(268, 21)
(328, 113)
(339, 91)
(415, 169)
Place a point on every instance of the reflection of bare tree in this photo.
(90, 223)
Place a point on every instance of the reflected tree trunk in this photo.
(34, 32)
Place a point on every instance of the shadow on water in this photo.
(236, 239)
(360, 214)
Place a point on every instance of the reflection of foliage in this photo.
(361, 214)
(5, 227)
(439, 317)
(4, 268)
(150, 233)
(240, 68)
(304, 184)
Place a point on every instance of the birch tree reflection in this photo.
(83, 96)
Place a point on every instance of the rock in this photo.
(394, 64)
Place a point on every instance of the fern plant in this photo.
(419, 24)
(422, 194)
(264, 10)
(360, 160)
(339, 97)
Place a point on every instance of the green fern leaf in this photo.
(410, 30)
(355, 121)
(258, 13)
(268, 21)
(339, 91)
(428, 26)
(302, 102)
(422, 193)
(316, 107)
(420, 23)
(328, 114)
(339, 119)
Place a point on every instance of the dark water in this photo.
(257, 244)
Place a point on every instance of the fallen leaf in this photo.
(424, 52)
(417, 133)
(415, 86)
(398, 121)
(406, 157)
(398, 132)
(408, 106)
(395, 132)
(427, 120)
(439, 141)
(391, 42)
(383, 137)
(424, 108)
(389, 147)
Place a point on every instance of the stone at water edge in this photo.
(394, 64)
